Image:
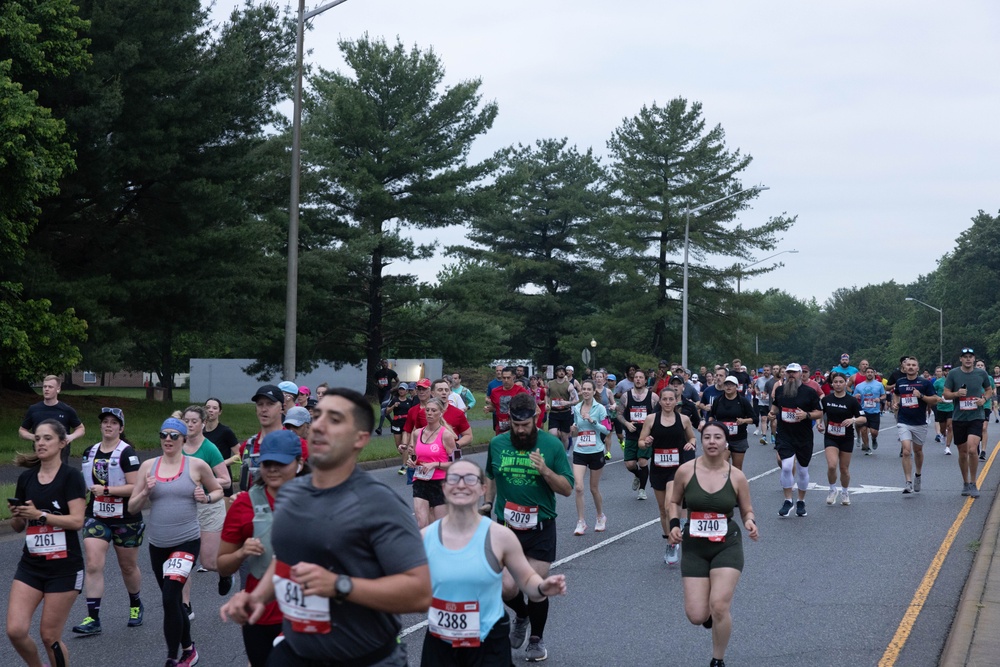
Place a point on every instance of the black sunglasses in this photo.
(173, 436)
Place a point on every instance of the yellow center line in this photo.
(920, 597)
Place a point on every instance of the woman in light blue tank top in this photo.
(466, 553)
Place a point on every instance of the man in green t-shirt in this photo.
(943, 410)
(969, 387)
(526, 468)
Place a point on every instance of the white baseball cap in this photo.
(793, 367)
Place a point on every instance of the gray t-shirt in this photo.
(360, 528)
(976, 383)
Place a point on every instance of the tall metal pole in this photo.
(941, 339)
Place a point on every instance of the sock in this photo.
(133, 599)
(94, 608)
(643, 476)
(833, 487)
(518, 605)
(538, 612)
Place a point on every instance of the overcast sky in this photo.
(870, 121)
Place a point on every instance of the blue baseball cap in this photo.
(281, 447)
(176, 424)
(289, 387)
(612, 376)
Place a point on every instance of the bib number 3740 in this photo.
(709, 525)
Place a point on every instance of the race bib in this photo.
(309, 614)
(834, 428)
(637, 415)
(739, 388)
(708, 525)
(908, 401)
(455, 622)
(586, 439)
(788, 415)
(178, 566)
(109, 507)
(968, 403)
(666, 458)
(423, 473)
(47, 541)
(732, 428)
(503, 424)
(870, 403)
(520, 517)
(383, 382)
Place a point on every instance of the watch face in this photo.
(344, 585)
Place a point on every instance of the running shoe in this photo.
(786, 507)
(800, 508)
(642, 494)
(607, 455)
(982, 456)
(189, 657)
(763, 440)
(635, 483)
(225, 585)
(401, 471)
(518, 631)
(171, 662)
(937, 438)
(673, 554)
(965, 488)
(909, 487)
(874, 442)
(189, 611)
(868, 452)
(916, 483)
(831, 497)
(378, 431)
(845, 497)
(601, 523)
(973, 490)
(135, 616)
(581, 528)
(947, 451)
(536, 650)
(717, 662)
(90, 626)
(201, 568)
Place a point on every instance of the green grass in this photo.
(8, 492)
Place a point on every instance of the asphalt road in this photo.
(827, 589)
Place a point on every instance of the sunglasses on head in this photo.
(114, 412)
(172, 436)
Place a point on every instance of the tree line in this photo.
(144, 213)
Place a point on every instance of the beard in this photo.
(526, 442)
(791, 387)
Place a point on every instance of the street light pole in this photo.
(739, 276)
(940, 313)
(292, 289)
(687, 246)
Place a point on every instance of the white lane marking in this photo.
(611, 540)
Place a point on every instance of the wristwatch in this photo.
(343, 588)
(43, 519)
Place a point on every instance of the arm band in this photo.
(675, 523)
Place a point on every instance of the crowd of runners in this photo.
(314, 579)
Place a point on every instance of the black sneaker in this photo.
(786, 507)
(189, 611)
(378, 431)
(225, 585)
(982, 456)
(89, 626)
(800, 508)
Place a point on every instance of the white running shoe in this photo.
(831, 498)
(642, 494)
(673, 554)
(581, 528)
(845, 497)
(947, 451)
(602, 522)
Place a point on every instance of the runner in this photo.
(173, 486)
(987, 410)
(590, 421)
(433, 447)
(637, 404)
(969, 387)
(268, 401)
(845, 366)
(762, 391)
(386, 380)
(49, 505)
(793, 406)
(841, 413)
(467, 554)
(743, 380)
(500, 399)
(713, 544)
(871, 394)
(712, 391)
(222, 437)
(560, 397)
(538, 391)
(246, 535)
(467, 396)
(912, 397)
(996, 404)
(454, 415)
(342, 576)
(302, 400)
(605, 395)
(397, 409)
(670, 435)
(110, 468)
(52, 408)
(527, 468)
(943, 412)
(290, 392)
(734, 410)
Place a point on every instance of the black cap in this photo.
(270, 392)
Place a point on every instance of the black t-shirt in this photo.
(61, 412)
(129, 462)
(397, 409)
(384, 378)
(839, 410)
(793, 432)
(894, 377)
(53, 498)
(223, 437)
(744, 381)
(728, 411)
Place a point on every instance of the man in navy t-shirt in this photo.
(52, 408)
(912, 397)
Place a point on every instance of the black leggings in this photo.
(176, 626)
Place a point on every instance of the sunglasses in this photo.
(470, 479)
(172, 436)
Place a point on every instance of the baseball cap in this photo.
(730, 378)
(424, 383)
(793, 368)
(289, 387)
(281, 447)
(676, 379)
(270, 392)
(569, 368)
(298, 416)
(402, 386)
(304, 391)
(612, 376)
(968, 350)
(114, 412)
(176, 424)
(845, 355)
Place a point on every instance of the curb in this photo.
(976, 608)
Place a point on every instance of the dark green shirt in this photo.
(516, 479)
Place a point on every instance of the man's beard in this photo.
(527, 442)
(791, 388)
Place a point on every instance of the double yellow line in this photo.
(920, 597)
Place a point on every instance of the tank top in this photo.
(466, 575)
(721, 502)
(432, 452)
(636, 412)
(668, 437)
(173, 513)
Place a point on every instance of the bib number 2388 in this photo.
(455, 622)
